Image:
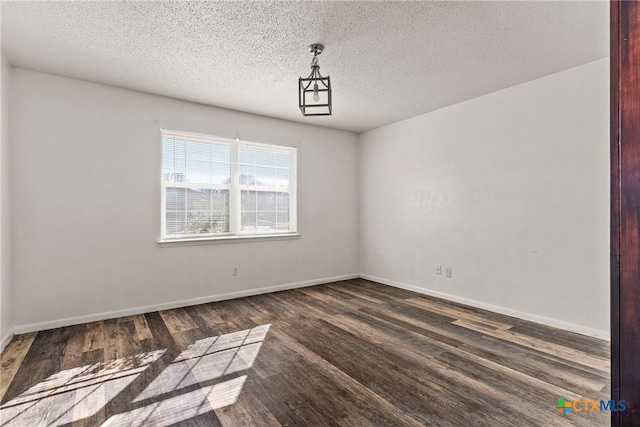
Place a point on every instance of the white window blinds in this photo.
(213, 187)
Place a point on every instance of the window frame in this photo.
(234, 188)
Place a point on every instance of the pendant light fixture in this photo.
(314, 92)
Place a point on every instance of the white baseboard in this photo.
(40, 326)
(596, 333)
(33, 327)
(6, 339)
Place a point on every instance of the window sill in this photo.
(227, 239)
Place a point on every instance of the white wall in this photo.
(6, 305)
(510, 190)
(86, 199)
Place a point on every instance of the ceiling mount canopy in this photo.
(314, 92)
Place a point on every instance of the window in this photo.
(215, 187)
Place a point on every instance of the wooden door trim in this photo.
(625, 210)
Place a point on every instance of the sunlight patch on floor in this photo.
(183, 407)
(208, 359)
(191, 385)
(74, 393)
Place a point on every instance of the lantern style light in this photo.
(314, 92)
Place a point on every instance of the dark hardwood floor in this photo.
(352, 353)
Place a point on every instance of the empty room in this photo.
(306, 214)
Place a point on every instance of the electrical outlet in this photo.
(438, 269)
(234, 271)
(448, 271)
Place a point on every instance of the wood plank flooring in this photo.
(351, 353)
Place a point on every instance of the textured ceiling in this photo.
(388, 61)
